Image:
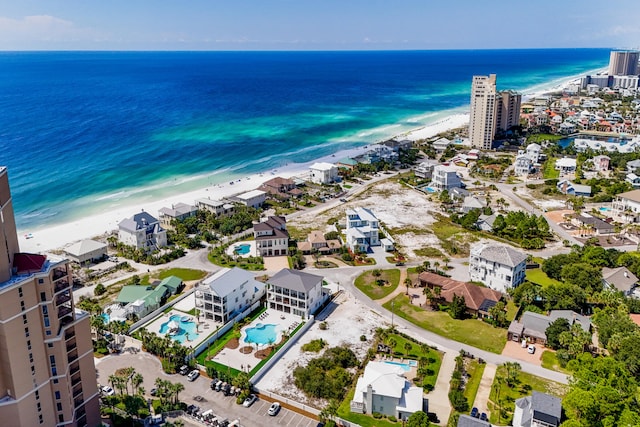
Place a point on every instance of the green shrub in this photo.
(392, 418)
(315, 345)
(363, 338)
(99, 290)
(377, 415)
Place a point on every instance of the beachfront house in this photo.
(383, 388)
(499, 267)
(296, 292)
(252, 199)
(626, 207)
(323, 173)
(619, 279)
(532, 327)
(445, 178)
(86, 251)
(478, 299)
(361, 229)
(441, 144)
(378, 153)
(425, 169)
(216, 207)
(537, 410)
(227, 294)
(142, 231)
(281, 188)
(272, 237)
(179, 211)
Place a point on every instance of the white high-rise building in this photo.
(624, 63)
(483, 111)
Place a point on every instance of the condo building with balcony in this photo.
(47, 373)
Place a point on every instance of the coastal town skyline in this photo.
(332, 25)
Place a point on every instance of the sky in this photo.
(316, 24)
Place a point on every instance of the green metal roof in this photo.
(131, 293)
(171, 282)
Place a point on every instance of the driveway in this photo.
(225, 406)
(514, 350)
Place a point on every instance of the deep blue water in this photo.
(86, 131)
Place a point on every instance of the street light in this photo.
(392, 308)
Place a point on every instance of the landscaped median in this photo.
(473, 332)
(378, 283)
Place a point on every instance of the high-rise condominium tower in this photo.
(624, 63)
(491, 111)
(483, 111)
(47, 374)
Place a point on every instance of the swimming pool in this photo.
(186, 329)
(105, 317)
(261, 334)
(604, 209)
(406, 366)
(242, 249)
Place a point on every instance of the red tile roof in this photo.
(474, 295)
(28, 263)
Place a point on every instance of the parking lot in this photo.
(222, 406)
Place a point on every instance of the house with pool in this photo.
(383, 388)
(296, 292)
(228, 293)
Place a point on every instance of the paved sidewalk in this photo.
(439, 397)
(482, 397)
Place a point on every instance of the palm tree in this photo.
(407, 283)
(437, 291)
(428, 294)
(329, 411)
(392, 344)
(407, 348)
(177, 388)
(446, 261)
(136, 382)
(427, 265)
(436, 265)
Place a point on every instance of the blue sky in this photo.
(313, 25)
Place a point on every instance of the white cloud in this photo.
(41, 28)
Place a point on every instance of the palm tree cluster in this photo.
(171, 353)
(169, 393)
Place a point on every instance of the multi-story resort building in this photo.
(508, 105)
(47, 374)
(296, 292)
(624, 63)
(228, 293)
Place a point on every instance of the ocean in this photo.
(85, 132)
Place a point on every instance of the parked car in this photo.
(250, 400)
(218, 385)
(153, 391)
(274, 409)
(483, 417)
(184, 370)
(108, 391)
(213, 383)
(474, 412)
(531, 349)
(193, 375)
(226, 389)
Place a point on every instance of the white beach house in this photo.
(497, 266)
(323, 173)
(252, 199)
(296, 292)
(228, 293)
(361, 229)
(445, 178)
(272, 237)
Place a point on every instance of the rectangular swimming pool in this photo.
(406, 366)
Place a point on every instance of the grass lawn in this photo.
(550, 361)
(512, 310)
(469, 331)
(536, 275)
(444, 229)
(475, 369)
(186, 274)
(527, 383)
(344, 411)
(429, 252)
(549, 171)
(366, 282)
(416, 353)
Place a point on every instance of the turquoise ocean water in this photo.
(83, 132)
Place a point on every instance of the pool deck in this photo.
(203, 330)
(237, 360)
(252, 249)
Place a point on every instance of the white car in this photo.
(108, 391)
(531, 349)
(193, 375)
(249, 400)
(274, 409)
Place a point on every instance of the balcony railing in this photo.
(77, 402)
(71, 346)
(63, 311)
(73, 356)
(62, 298)
(74, 369)
(61, 285)
(58, 274)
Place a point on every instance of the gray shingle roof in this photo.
(139, 221)
(541, 407)
(502, 254)
(620, 277)
(467, 421)
(295, 280)
(226, 280)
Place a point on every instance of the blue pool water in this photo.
(406, 366)
(105, 317)
(242, 249)
(261, 334)
(185, 328)
(604, 209)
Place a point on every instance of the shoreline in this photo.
(53, 237)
